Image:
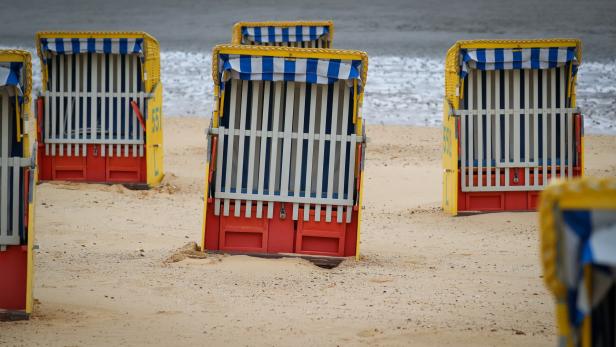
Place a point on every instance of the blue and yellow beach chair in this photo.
(17, 185)
(306, 34)
(578, 251)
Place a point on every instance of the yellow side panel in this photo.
(450, 162)
(154, 137)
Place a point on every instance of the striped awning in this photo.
(589, 238)
(270, 34)
(510, 59)
(263, 68)
(10, 75)
(91, 45)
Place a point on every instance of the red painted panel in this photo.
(350, 239)
(212, 228)
(281, 236)
(242, 234)
(13, 277)
(320, 238)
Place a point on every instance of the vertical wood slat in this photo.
(489, 117)
(16, 195)
(118, 106)
(103, 92)
(497, 131)
(126, 103)
(563, 118)
(133, 91)
(299, 148)
(61, 101)
(310, 155)
(48, 107)
(256, 92)
(93, 99)
(78, 96)
(553, 122)
(4, 164)
(84, 103)
(263, 145)
(507, 144)
(274, 152)
(321, 143)
(231, 141)
(527, 119)
(479, 117)
(536, 127)
(544, 121)
(286, 144)
(516, 117)
(343, 146)
(332, 151)
(242, 136)
(471, 129)
(54, 99)
(69, 106)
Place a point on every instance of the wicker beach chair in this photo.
(285, 151)
(307, 34)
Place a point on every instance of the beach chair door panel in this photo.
(286, 142)
(12, 184)
(516, 129)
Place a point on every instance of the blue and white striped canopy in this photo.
(509, 59)
(263, 68)
(92, 45)
(271, 34)
(10, 75)
(588, 238)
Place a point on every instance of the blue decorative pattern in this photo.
(10, 75)
(508, 59)
(263, 68)
(91, 45)
(272, 34)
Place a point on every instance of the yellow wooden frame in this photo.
(453, 97)
(24, 115)
(236, 35)
(150, 74)
(581, 193)
(289, 52)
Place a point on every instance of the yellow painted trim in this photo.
(354, 101)
(360, 204)
(205, 195)
(236, 37)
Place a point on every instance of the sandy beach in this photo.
(110, 269)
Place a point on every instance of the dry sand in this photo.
(107, 270)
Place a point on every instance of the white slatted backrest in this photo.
(88, 102)
(516, 119)
(10, 174)
(286, 142)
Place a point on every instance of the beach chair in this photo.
(17, 185)
(285, 151)
(307, 34)
(100, 110)
(578, 251)
(510, 123)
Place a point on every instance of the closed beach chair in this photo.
(100, 110)
(285, 151)
(17, 185)
(308, 34)
(510, 122)
(578, 251)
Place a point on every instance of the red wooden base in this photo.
(13, 277)
(501, 200)
(280, 235)
(93, 167)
